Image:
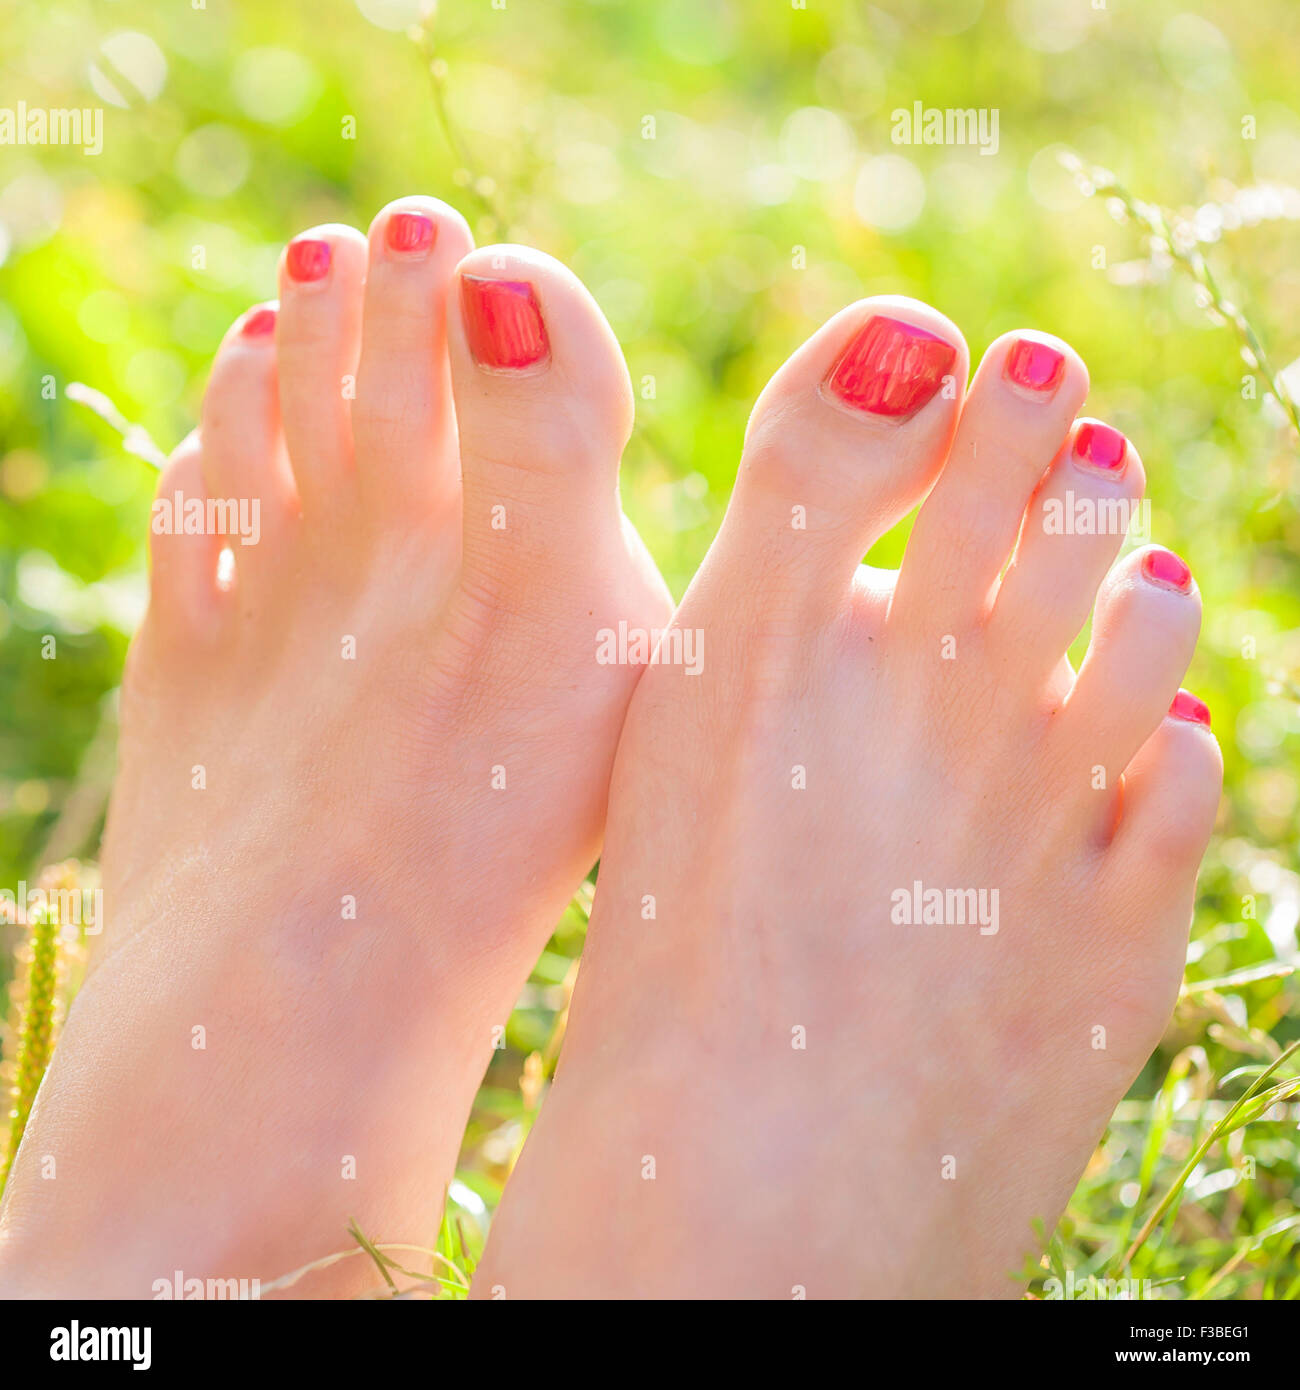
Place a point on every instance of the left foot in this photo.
(358, 785)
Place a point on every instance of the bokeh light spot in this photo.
(817, 144)
(274, 85)
(396, 15)
(213, 161)
(697, 31)
(889, 193)
(1052, 26)
(942, 16)
(104, 317)
(130, 68)
(1195, 53)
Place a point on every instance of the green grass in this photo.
(715, 248)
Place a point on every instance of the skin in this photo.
(337, 1055)
(771, 1086)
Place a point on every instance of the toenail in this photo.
(411, 233)
(503, 323)
(307, 259)
(891, 368)
(1035, 366)
(258, 323)
(1100, 447)
(1187, 706)
(1163, 567)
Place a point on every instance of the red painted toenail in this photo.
(307, 259)
(1035, 366)
(503, 322)
(1100, 447)
(891, 368)
(258, 323)
(410, 232)
(1165, 568)
(1187, 706)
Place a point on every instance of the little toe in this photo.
(1143, 636)
(1168, 808)
(245, 463)
(1171, 790)
(183, 596)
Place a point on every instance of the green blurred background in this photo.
(722, 176)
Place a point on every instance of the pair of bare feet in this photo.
(877, 851)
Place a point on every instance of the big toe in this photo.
(845, 439)
(544, 408)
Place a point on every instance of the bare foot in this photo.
(893, 905)
(357, 784)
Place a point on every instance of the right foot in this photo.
(773, 1081)
(358, 785)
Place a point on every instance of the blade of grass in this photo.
(1272, 970)
(1162, 1118)
(286, 1281)
(1224, 1126)
(1251, 1243)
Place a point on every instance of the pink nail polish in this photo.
(411, 233)
(258, 323)
(307, 260)
(1100, 447)
(503, 323)
(891, 368)
(1163, 567)
(1035, 366)
(1187, 706)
